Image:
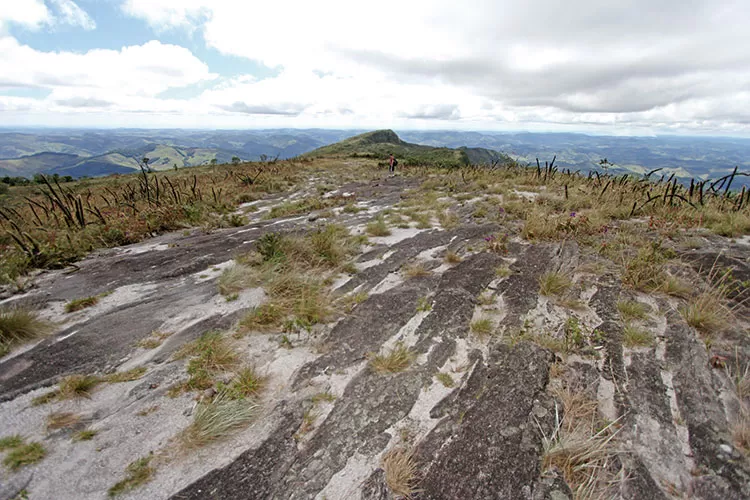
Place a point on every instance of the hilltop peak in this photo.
(385, 136)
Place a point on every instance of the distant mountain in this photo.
(382, 143)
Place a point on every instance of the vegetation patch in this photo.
(85, 435)
(79, 304)
(18, 326)
(452, 257)
(62, 420)
(396, 360)
(445, 379)
(210, 355)
(234, 279)
(217, 418)
(634, 336)
(154, 340)
(10, 442)
(25, 454)
(554, 284)
(77, 386)
(137, 473)
(416, 271)
(378, 227)
(632, 310)
(401, 471)
(482, 327)
(126, 376)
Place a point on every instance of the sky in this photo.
(631, 67)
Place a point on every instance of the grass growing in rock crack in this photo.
(445, 379)
(486, 298)
(424, 304)
(138, 473)
(78, 304)
(707, 312)
(234, 279)
(217, 418)
(396, 360)
(378, 227)
(77, 386)
(247, 383)
(126, 376)
(503, 271)
(154, 340)
(581, 446)
(554, 284)
(632, 309)
(634, 336)
(481, 327)
(10, 442)
(24, 454)
(210, 355)
(452, 257)
(415, 271)
(18, 326)
(62, 420)
(85, 435)
(401, 471)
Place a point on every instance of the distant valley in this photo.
(80, 153)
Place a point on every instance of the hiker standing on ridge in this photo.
(392, 162)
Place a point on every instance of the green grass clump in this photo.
(209, 355)
(632, 309)
(554, 284)
(235, 279)
(20, 325)
(78, 304)
(10, 442)
(45, 398)
(138, 472)
(707, 312)
(396, 360)
(378, 227)
(85, 435)
(445, 379)
(77, 386)
(634, 336)
(217, 418)
(247, 383)
(126, 376)
(25, 454)
(481, 327)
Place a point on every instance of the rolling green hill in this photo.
(382, 143)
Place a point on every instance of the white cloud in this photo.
(139, 70)
(70, 13)
(28, 13)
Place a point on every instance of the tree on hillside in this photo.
(213, 162)
(236, 160)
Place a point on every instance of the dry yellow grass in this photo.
(396, 360)
(401, 471)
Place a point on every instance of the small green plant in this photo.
(481, 327)
(247, 383)
(232, 297)
(10, 442)
(85, 435)
(424, 304)
(634, 336)
(217, 418)
(573, 334)
(126, 376)
(263, 317)
(78, 304)
(486, 298)
(503, 271)
(445, 379)
(45, 398)
(452, 257)
(554, 284)
(285, 342)
(210, 355)
(396, 360)
(632, 309)
(138, 473)
(26, 454)
(378, 227)
(323, 397)
(20, 325)
(77, 386)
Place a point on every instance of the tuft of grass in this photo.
(448, 219)
(580, 446)
(416, 271)
(85, 435)
(554, 284)
(217, 418)
(503, 271)
(154, 340)
(77, 386)
(261, 318)
(78, 304)
(138, 473)
(126, 376)
(424, 304)
(675, 287)
(396, 360)
(634, 336)
(20, 325)
(632, 309)
(707, 312)
(62, 420)
(741, 432)
(452, 257)
(326, 397)
(235, 279)
(481, 327)
(401, 471)
(247, 383)
(26, 454)
(445, 379)
(45, 398)
(486, 298)
(209, 355)
(378, 227)
(10, 442)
